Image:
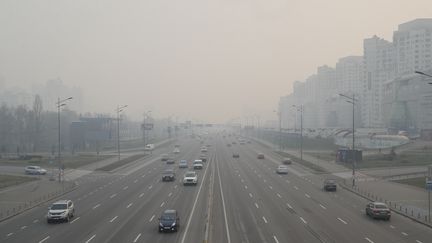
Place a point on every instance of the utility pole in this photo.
(59, 104)
(118, 110)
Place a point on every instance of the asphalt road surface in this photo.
(236, 200)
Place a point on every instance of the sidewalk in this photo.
(17, 199)
(406, 200)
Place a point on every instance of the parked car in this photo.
(35, 170)
(168, 175)
(260, 156)
(286, 161)
(198, 164)
(378, 210)
(183, 164)
(62, 210)
(169, 221)
(282, 169)
(190, 178)
(330, 185)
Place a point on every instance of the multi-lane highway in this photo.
(236, 200)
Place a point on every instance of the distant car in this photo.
(330, 185)
(183, 164)
(282, 169)
(190, 178)
(164, 157)
(62, 210)
(286, 161)
(378, 210)
(170, 161)
(198, 164)
(228, 145)
(260, 156)
(203, 157)
(35, 170)
(176, 150)
(203, 149)
(236, 155)
(169, 221)
(168, 175)
(149, 147)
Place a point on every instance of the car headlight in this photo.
(160, 224)
(173, 224)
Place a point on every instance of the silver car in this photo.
(35, 170)
(282, 169)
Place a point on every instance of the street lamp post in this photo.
(300, 108)
(352, 100)
(144, 129)
(118, 110)
(59, 104)
(279, 113)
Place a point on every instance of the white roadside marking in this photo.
(162, 204)
(113, 195)
(96, 206)
(112, 220)
(256, 205)
(128, 206)
(275, 239)
(322, 206)
(44, 239)
(136, 239)
(74, 220)
(343, 221)
(304, 221)
(152, 217)
(265, 220)
(91, 238)
(369, 240)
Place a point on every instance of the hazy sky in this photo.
(210, 60)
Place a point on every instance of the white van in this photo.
(149, 147)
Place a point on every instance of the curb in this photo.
(74, 187)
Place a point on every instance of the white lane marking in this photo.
(128, 206)
(307, 195)
(96, 206)
(405, 234)
(271, 188)
(113, 195)
(91, 238)
(275, 239)
(343, 221)
(287, 181)
(143, 176)
(162, 204)
(9, 234)
(169, 195)
(418, 241)
(295, 187)
(136, 239)
(369, 240)
(152, 217)
(75, 220)
(24, 227)
(245, 187)
(142, 194)
(322, 206)
(265, 181)
(256, 205)
(304, 221)
(112, 220)
(35, 221)
(288, 205)
(150, 187)
(391, 226)
(44, 239)
(265, 220)
(279, 196)
(175, 186)
(126, 187)
(135, 181)
(250, 195)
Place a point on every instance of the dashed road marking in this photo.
(369, 240)
(24, 227)
(289, 206)
(391, 226)
(150, 187)
(35, 221)
(271, 188)
(9, 234)
(250, 195)
(279, 196)
(418, 241)
(141, 195)
(169, 195)
(96, 206)
(405, 234)
(113, 195)
(91, 238)
(245, 187)
(307, 195)
(304, 221)
(275, 239)
(162, 204)
(322, 206)
(135, 181)
(126, 187)
(74, 220)
(295, 187)
(152, 217)
(44, 239)
(343, 221)
(112, 220)
(256, 205)
(265, 220)
(128, 206)
(136, 239)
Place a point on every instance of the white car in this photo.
(176, 150)
(282, 169)
(149, 147)
(183, 164)
(203, 149)
(190, 178)
(35, 170)
(198, 164)
(62, 210)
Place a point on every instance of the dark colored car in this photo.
(203, 158)
(236, 155)
(330, 185)
(260, 156)
(169, 221)
(168, 175)
(170, 161)
(378, 210)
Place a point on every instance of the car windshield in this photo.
(168, 172)
(168, 216)
(190, 174)
(381, 206)
(58, 206)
